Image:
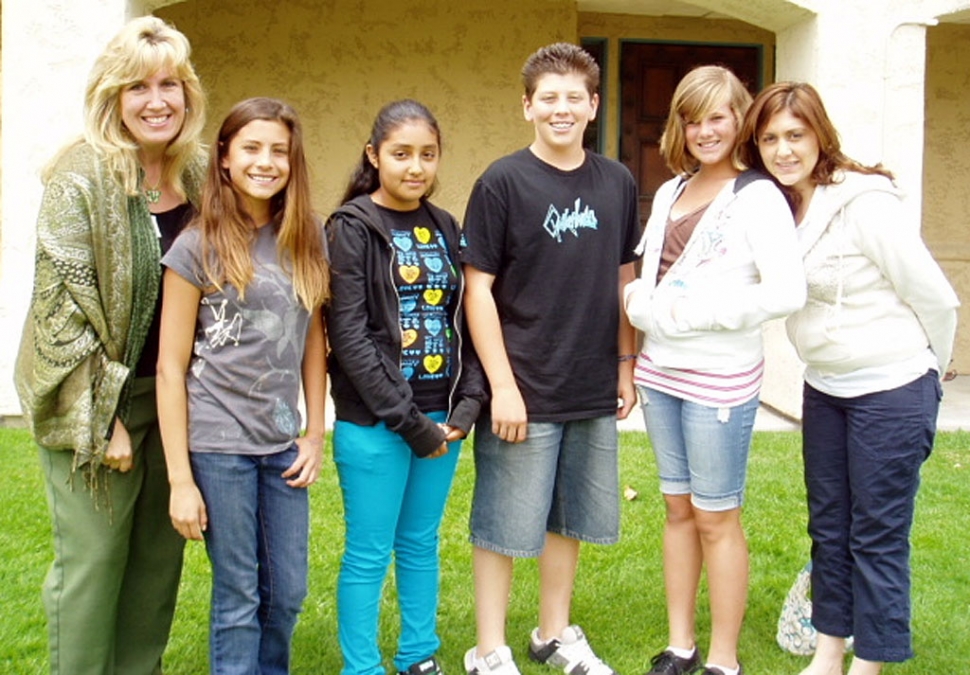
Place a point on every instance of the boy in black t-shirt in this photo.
(550, 235)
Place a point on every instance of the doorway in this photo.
(649, 73)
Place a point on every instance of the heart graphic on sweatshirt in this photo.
(433, 296)
(422, 234)
(433, 362)
(433, 326)
(409, 273)
(434, 264)
(403, 242)
(408, 337)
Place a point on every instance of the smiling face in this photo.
(258, 162)
(560, 108)
(406, 163)
(710, 140)
(153, 109)
(789, 149)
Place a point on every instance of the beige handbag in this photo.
(796, 634)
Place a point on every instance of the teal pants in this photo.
(393, 503)
(110, 592)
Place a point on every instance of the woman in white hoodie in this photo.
(719, 258)
(876, 335)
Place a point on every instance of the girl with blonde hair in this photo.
(720, 258)
(113, 202)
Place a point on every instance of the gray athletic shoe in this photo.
(497, 662)
(571, 652)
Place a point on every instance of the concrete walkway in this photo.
(955, 409)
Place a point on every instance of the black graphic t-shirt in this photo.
(426, 280)
(555, 241)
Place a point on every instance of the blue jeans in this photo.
(257, 544)
(862, 462)
(563, 479)
(700, 451)
(393, 501)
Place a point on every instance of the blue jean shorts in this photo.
(562, 479)
(701, 451)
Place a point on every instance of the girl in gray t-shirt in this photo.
(241, 329)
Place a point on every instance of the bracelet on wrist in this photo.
(627, 357)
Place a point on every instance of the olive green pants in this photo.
(110, 592)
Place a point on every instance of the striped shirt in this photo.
(713, 389)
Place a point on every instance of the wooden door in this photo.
(649, 74)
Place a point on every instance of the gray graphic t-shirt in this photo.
(244, 377)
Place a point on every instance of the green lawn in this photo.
(619, 595)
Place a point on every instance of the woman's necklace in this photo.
(153, 194)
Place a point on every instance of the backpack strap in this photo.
(748, 177)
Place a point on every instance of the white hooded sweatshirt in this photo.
(740, 268)
(880, 312)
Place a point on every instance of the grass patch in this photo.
(619, 594)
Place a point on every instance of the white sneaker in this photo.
(570, 651)
(499, 661)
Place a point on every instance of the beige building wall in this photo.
(337, 62)
(1, 123)
(619, 27)
(48, 48)
(946, 169)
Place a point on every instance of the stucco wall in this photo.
(946, 171)
(339, 61)
(617, 27)
(1, 123)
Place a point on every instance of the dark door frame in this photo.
(759, 49)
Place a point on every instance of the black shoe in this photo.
(426, 667)
(710, 670)
(668, 663)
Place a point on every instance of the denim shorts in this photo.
(700, 450)
(562, 479)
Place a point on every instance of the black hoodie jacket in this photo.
(364, 331)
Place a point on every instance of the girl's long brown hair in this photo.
(228, 230)
(802, 101)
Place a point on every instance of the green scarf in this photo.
(96, 281)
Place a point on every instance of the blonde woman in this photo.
(113, 201)
(720, 258)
